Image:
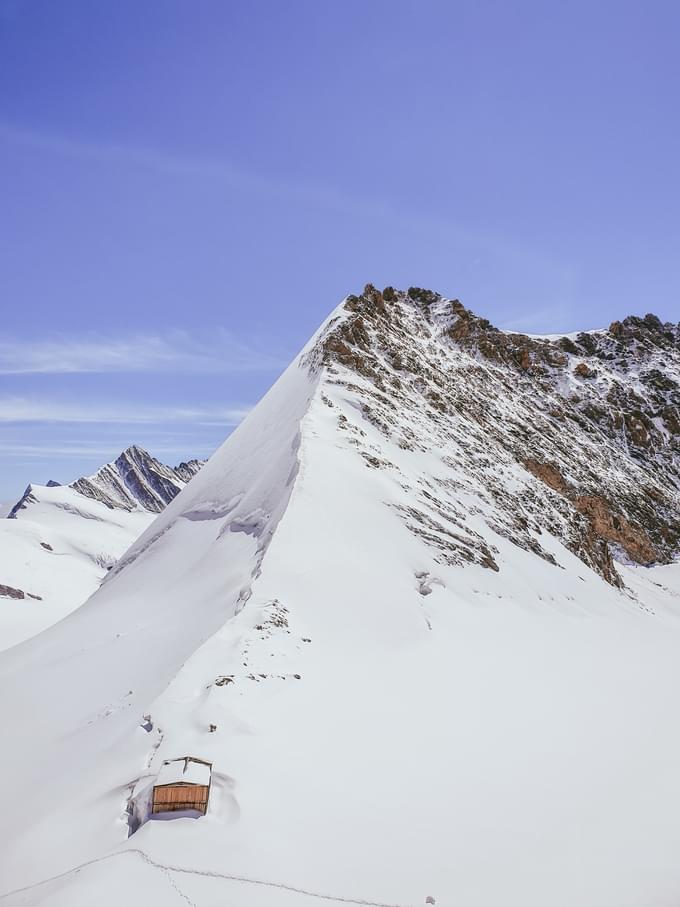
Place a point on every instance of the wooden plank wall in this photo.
(185, 796)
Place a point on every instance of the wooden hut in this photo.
(182, 785)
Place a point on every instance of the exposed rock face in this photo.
(137, 478)
(134, 479)
(613, 527)
(550, 474)
(11, 592)
(584, 371)
(605, 523)
(27, 498)
(593, 419)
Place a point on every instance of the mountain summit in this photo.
(418, 615)
(595, 417)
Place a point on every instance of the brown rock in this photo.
(550, 474)
(605, 523)
(584, 371)
(671, 419)
(615, 528)
(594, 551)
(637, 427)
(462, 327)
(524, 359)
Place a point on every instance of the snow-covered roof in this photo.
(184, 771)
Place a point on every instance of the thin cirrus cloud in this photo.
(218, 171)
(176, 352)
(20, 409)
(85, 451)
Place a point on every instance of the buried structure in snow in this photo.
(182, 787)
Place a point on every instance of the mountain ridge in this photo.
(398, 647)
(580, 386)
(134, 479)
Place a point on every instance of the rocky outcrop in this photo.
(550, 474)
(27, 498)
(136, 479)
(18, 594)
(593, 418)
(614, 527)
(605, 523)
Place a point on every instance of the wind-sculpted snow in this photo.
(407, 614)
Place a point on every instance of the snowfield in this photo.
(62, 539)
(84, 537)
(391, 724)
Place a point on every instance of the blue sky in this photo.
(187, 188)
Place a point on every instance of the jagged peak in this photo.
(362, 320)
(137, 479)
(134, 479)
(543, 400)
(135, 453)
(134, 450)
(26, 498)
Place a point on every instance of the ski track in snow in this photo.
(167, 868)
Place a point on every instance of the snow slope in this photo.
(61, 539)
(409, 701)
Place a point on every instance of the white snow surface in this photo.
(187, 771)
(61, 539)
(388, 727)
(85, 538)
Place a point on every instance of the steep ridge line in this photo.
(588, 428)
(261, 460)
(168, 867)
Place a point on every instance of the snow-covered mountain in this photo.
(60, 540)
(421, 612)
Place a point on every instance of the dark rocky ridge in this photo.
(137, 478)
(134, 479)
(593, 420)
(12, 592)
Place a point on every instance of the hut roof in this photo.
(186, 770)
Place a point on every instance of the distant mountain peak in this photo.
(134, 479)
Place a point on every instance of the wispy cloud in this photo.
(105, 452)
(217, 170)
(176, 352)
(18, 409)
(473, 245)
